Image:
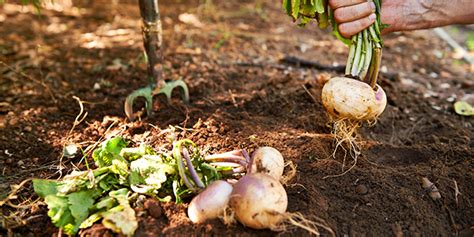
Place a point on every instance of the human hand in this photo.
(354, 16)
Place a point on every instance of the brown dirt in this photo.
(241, 96)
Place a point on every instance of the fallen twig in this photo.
(456, 192)
(15, 189)
(309, 93)
(79, 118)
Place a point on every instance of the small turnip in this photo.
(259, 201)
(350, 102)
(353, 99)
(268, 160)
(211, 202)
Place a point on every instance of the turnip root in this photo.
(259, 201)
(210, 203)
(350, 102)
(268, 160)
(352, 99)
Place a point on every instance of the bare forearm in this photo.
(422, 14)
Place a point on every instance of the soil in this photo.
(242, 96)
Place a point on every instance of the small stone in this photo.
(445, 74)
(28, 128)
(96, 86)
(361, 189)
(13, 121)
(444, 86)
(434, 75)
(154, 208)
(70, 150)
(20, 163)
(437, 53)
(8, 153)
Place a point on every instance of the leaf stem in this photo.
(191, 169)
(376, 62)
(246, 155)
(228, 159)
(350, 58)
(180, 163)
(368, 55)
(355, 63)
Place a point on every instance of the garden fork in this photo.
(152, 39)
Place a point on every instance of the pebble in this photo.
(361, 189)
(154, 208)
(13, 121)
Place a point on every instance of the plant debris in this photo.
(108, 192)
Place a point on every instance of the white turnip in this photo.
(268, 160)
(259, 201)
(347, 98)
(350, 102)
(210, 203)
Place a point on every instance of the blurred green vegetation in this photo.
(470, 41)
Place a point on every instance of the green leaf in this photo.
(121, 218)
(109, 181)
(470, 41)
(209, 173)
(463, 108)
(133, 153)
(80, 203)
(287, 6)
(60, 214)
(320, 5)
(120, 167)
(44, 187)
(92, 219)
(176, 192)
(108, 151)
(107, 202)
(81, 180)
(308, 10)
(149, 173)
